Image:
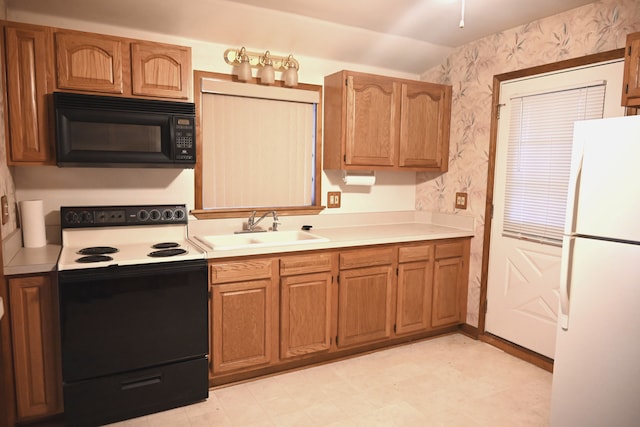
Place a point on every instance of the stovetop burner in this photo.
(94, 258)
(165, 245)
(98, 250)
(167, 252)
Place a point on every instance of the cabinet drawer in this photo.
(415, 253)
(301, 264)
(366, 257)
(449, 250)
(240, 270)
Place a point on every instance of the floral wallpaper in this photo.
(597, 27)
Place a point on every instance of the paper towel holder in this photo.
(367, 178)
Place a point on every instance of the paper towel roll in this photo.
(359, 178)
(32, 222)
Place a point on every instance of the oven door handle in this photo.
(122, 271)
(134, 383)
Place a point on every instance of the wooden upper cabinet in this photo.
(378, 122)
(28, 73)
(371, 134)
(424, 126)
(113, 65)
(160, 70)
(631, 82)
(89, 62)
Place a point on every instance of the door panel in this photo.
(524, 275)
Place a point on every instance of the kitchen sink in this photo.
(228, 242)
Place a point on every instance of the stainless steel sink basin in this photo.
(228, 242)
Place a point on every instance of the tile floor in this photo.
(447, 381)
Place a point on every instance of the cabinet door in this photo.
(35, 347)
(449, 283)
(631, 89)
(160, 70)
(424, 126)
(28, 73)
(446, 291)
(305, 314)
(89, 62)
(364, 305)
(414, 297)
(243, 325)
(372, 121)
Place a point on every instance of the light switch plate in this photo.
(461, 200)
(5, 209)
(333, 199)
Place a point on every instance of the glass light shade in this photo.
(244, 71)
(290, 77)
(267, 74)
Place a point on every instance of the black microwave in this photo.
(99, 131)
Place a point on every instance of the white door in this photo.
(524, 275)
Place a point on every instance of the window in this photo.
(539, 159)
(258, 148)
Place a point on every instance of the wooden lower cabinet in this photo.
(38, 379)
(451, 270)
(272, 313)
(243, 315)
(305, 304)
(365, 296)
(415, 287)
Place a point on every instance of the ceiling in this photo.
(410, 36)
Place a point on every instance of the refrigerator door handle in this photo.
(573, 192)
(565, 280)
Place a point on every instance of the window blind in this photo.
(257, 152)
(539, 159)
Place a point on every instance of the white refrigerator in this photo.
(596, 376)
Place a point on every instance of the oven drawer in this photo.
(133, 394)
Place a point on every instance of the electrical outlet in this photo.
(5, 209)
(333, 199)
(461, 200)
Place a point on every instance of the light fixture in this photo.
(462, 13)
(290, 75)
(243, 60)
(267, 74)
(243, 69)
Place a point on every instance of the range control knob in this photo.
(154, 215)
(143, 215)
(71, 217)
(167, 214)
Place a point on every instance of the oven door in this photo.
(123, 318)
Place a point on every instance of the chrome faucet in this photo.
(252, 222)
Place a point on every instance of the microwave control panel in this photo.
(184, 129)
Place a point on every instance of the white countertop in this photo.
(33, 260)
(344, 231)
(350, 236)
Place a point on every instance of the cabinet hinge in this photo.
(626, 88)
(346, 82)
(344, 158)
(210, 294)
(629, 51)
